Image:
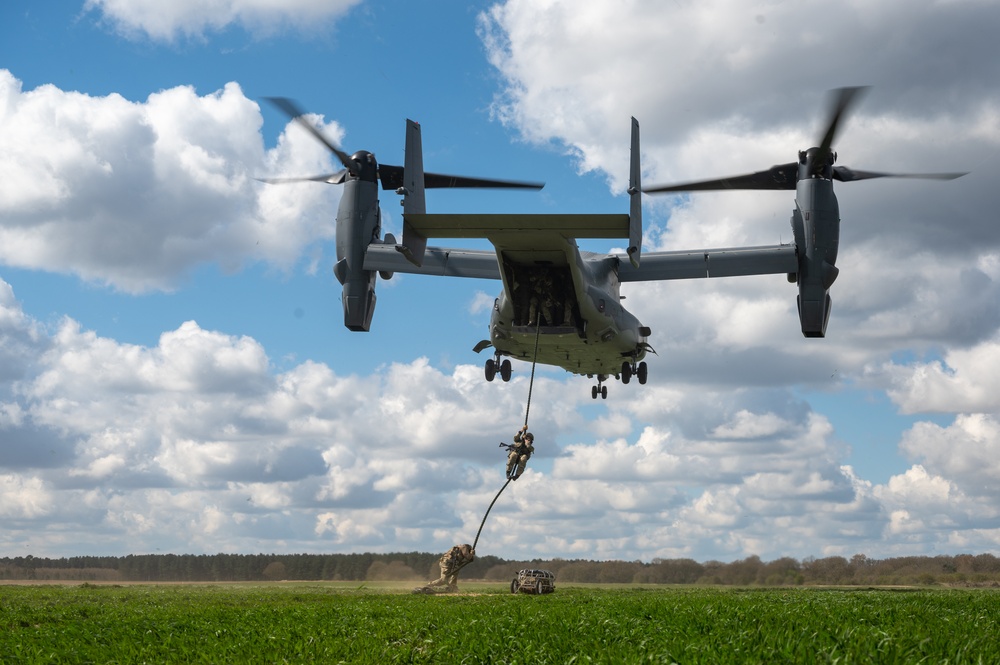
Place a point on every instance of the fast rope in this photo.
(527, 410)
(476, 541)
(534, 361)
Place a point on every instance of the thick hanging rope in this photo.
(527, 409)
(476, 541)
(534, 361)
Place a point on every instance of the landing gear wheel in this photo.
(491, 369)
(593, 392)
(642, 373)
(505, 370)
(626, 372)
(604, 392)
(513, 586)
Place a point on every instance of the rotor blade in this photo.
(844, 174)
(293, 111)
(842, 99)
(782, 176)
(331, 178)
(441, 180)
(392, 178)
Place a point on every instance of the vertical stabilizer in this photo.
(414, 244)
(635, 200)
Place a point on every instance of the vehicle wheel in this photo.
(593, 392)
(604, 392)
(642, 373)
(491, 369)
(513, 586)
(505, 370)
(538, 587)
(626, 373)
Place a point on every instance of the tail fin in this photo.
(635, 200)
(414, 244)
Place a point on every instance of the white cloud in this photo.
(964, 380)
(199, 436)
(967, 452)
(259, 460)
(24, 497)
(137, 194)
(166, 21)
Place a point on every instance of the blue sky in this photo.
(175, 375)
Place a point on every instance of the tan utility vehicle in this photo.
(533, 581)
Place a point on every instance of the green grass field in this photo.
(338, 622)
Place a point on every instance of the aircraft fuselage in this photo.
(574, 299)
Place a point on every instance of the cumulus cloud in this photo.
(135, 195)
(963, 380)
(967, 452)
(728, 83)
(167, 21)
(199, 435)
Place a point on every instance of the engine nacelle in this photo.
(358, 224)
(358, 296)
(816, 227)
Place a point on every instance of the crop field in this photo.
(338, 622)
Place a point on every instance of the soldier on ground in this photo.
(451, 562)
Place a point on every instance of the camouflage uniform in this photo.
(524, 446)
(451, 563)
(541, 301)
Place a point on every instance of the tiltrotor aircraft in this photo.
(560, 305)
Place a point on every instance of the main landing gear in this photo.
(629, 369)
(494, 366)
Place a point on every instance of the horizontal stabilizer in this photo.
(485, 226)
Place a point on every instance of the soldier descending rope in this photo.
(520, 452)
(451, 563)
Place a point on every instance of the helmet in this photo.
(529, 436)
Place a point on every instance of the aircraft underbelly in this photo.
(563, 347)
(575, 297)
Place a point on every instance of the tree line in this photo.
(961, 569)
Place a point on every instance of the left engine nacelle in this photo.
(358, 224)
(358, 297)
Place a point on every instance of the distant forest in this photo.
(958, 570)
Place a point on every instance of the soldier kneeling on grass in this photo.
(451, 563)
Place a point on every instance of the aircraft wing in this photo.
(698, 263)
(440, 261)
